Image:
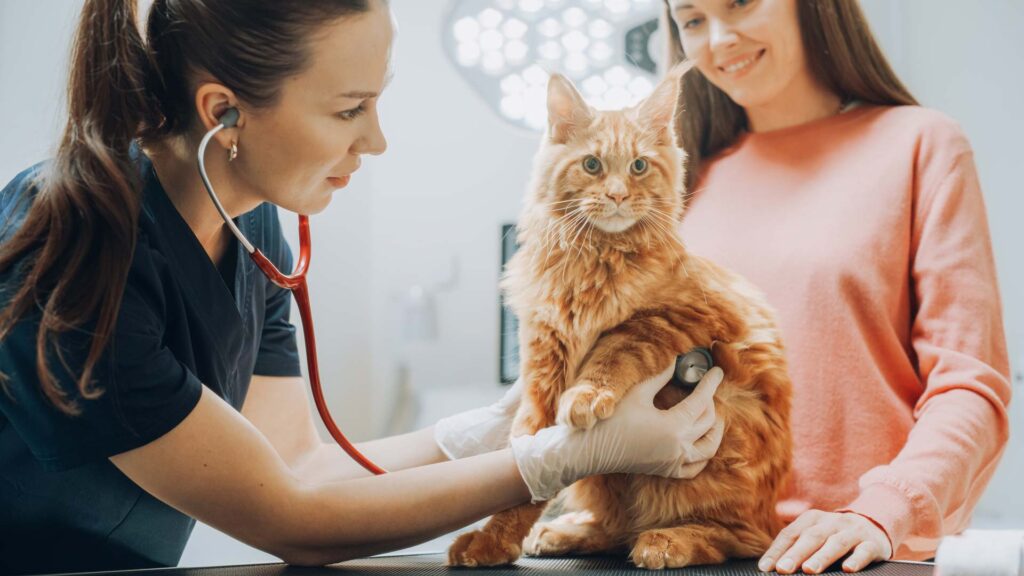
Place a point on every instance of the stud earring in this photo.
(234, 151)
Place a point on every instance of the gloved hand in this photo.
(637, 438)
(479, 430)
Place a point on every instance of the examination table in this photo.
(433, 565)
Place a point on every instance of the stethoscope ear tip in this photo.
(229, 118)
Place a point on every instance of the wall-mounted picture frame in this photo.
(508, 364)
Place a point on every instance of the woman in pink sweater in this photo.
(815, 175)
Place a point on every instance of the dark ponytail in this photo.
(77, 241)
(79, 236)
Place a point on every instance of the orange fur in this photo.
(602, 309)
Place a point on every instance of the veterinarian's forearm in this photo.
(329, 462)
(365, 516)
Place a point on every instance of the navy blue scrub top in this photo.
(63, 506)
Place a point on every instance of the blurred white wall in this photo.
(455, 172)
(34, 39)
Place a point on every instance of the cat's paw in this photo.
(657, 550)
(584, 404)
(554, 539)
(479, 548)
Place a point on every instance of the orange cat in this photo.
(606, 297)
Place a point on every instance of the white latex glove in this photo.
(480, 430)
(637, 439)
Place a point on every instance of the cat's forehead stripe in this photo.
(615, 134)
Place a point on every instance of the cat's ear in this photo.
(658, 112)
(567, 111)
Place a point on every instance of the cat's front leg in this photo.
(696, 544)
(625, 356)
(500, 541)
(572, 533)
(586, 402)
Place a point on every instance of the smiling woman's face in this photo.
(297, 152)
(751, 49)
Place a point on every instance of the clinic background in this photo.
(406, 260)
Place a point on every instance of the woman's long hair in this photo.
(74, 248)
(841, 52)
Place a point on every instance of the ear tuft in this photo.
(567, 111)
(658, 111)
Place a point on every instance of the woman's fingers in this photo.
(701, 400)
(708, 385)
(817, 539)
(864, 554)
(645, 391)
(690, 470)
(809, 542)
(835, 547)
(784, 540)
(707, 446)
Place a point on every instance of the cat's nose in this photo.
(616, 193)
(618, 196)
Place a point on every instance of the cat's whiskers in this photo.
(590, 228)
(555, 226)
(569, 207)
(551, 229)
(658, 234)
(565, 256)
(666, 225)
(554, 207)
(560, 202)
(573, 241)
(665, 203)
(666, 219)
(690, 194)
(589, 236)
(563, 231)
(546, 235)
(577, 223)
(664, 239)
(647, 233)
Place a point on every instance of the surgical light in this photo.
(505, 50)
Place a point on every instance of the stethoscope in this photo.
(689, 370)
(693, 365)
(296, 283)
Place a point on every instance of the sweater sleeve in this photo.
(961, 423)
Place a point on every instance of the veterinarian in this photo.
(151, 375)
(816, 175)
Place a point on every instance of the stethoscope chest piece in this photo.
(692, 366)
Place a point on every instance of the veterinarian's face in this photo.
(297, 152)
(751, 49)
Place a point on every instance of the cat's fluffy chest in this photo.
(583, 294)
(578, 299)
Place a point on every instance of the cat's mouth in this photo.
(615, 221)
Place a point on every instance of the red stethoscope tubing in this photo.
(297, 284)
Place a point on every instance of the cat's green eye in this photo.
(639, 166)
(592, 165)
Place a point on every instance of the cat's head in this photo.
(619, 172)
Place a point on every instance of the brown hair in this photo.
(74, 249)
(842, 54)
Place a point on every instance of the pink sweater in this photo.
(867, 231)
